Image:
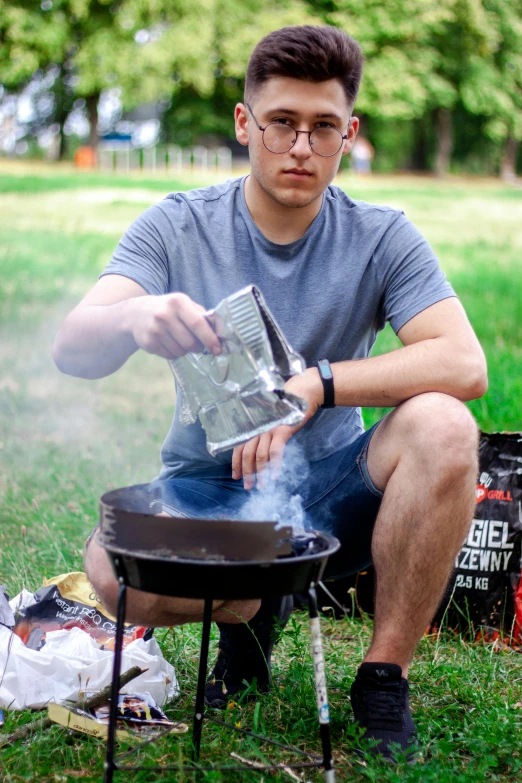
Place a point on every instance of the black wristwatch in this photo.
(325, 371)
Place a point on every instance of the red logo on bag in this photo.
(480, 493)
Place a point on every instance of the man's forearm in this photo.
(95, 340)
(433, 365)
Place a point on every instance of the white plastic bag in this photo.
(70, 662)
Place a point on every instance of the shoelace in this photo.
(384, 703)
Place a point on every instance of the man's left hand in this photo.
(263, 455)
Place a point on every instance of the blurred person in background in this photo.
(334, 271)
(362, 155)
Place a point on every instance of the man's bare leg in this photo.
(156, 610)
(424, 457)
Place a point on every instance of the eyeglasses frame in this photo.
(343, 137)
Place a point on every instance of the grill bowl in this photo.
(201, 558)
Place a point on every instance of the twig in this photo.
(292, 774)
(248, 762)
(258, 764)
(84, 704)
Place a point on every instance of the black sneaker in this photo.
(244, 652)
(380, 705)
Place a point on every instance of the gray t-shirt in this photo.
(357, 267)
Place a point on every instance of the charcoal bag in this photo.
(484, 596)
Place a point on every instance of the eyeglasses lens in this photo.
(326, 141)
(281, 138)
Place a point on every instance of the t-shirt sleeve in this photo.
(141, 253)
(409, 272)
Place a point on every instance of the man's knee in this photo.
(101, 576)
(433, 433)
(441, 431)
(141, 607)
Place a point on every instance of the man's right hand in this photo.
(172, 325)
(117, 317)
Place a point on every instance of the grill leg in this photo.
(116, 670)
(199, 710)
(320, 686)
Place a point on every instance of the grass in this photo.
(63, 442)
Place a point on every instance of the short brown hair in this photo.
(313, 54)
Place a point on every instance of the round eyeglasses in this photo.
(279, 138)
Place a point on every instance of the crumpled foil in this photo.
(239, 394)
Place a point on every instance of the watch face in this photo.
(324, 367)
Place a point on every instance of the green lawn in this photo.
(64, 441)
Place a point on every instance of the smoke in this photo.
(281, 500)
(89, 436)
(52, 423)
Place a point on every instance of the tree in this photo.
(92, 43)
(209, 43)
(402, 79)
(425, 57)
(468, 38)
(493, 85)
(28, 42)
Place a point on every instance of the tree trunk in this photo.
(419, 153)
(62, 149)
(92, 113)
(508, 170)
(63, 105)
(61, 117)
(444, 142)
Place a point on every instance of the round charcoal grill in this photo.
(210, 559)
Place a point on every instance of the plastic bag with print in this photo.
(69, 601)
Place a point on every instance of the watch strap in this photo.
(325, 372)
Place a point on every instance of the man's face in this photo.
(298, 177)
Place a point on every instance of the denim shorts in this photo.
(338, 495)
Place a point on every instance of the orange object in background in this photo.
(85, 158)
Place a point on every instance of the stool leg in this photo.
(199, 710)
(320, 686)
(115, 689)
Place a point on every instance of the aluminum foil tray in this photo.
(240, 393)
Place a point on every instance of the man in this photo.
(333, 271)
